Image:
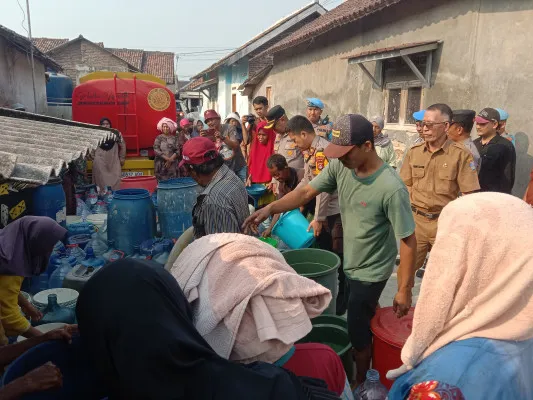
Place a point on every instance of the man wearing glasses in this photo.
(435, 172)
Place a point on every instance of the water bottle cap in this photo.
(89, 252)
(372, 375)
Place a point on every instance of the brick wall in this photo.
(82, 57)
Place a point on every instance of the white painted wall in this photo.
(16, 79)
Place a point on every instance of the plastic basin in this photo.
(79, 381)
(318, 265)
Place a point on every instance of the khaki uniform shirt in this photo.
(435, 179)
(315, 161)
(285, 146)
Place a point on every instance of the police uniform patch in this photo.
(472, 165)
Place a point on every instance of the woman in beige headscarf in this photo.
(108, 160)
(472, 332)
(250, 305)
(166, 149)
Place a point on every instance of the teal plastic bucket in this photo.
(292, 229)
(318, 265)
(332, 331)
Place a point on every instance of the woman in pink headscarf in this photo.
(166, 149)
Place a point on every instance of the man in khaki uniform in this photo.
(284, 144)
(435, 172)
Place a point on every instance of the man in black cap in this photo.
(284, 145)
(498, 156)
(460, 129)
(375, 211)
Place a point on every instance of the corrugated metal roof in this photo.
(34, 147)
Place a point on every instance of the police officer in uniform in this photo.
(435, 172)
(284, 145)
(322, 126)
(327, 223)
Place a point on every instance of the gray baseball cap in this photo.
(348, 131)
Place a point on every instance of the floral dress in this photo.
(166, 145)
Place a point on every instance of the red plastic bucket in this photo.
(390, 334)
(147, 182)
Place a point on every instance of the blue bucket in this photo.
(175, 200)
(292, 229)
(131, 219)
(49, 201)
(79, 381)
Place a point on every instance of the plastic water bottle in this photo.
(91, 260)
(98, 246)
(75, 251)
(108, 195)
(81, 207)
(92, 199)
(58, 276)
(372, 388)
(137, 254)
(100, 208)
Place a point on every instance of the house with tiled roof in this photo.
(221, 81)
(393, 57)
(17, 87)
(80, 56)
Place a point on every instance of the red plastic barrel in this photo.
(390, 334)
(147, 182)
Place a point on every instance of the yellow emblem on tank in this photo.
(158, 99)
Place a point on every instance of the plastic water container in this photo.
(137, 254)
(74, 250)
(49, 201)
(92, 260)
(81, 208)
(55, 313)
(100, 208)
(372, 388)
(175, 201)
(131, 219)
(292, 229)
(57, 277)
(99, 247)
(80, 240)
(108, 195)
(80, 228)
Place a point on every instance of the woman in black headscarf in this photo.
(137, 326)
(25, 247)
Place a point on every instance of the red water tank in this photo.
(139, 182)
(390, 334)
(134, 106)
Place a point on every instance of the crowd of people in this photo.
(239, 310)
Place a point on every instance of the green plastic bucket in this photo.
(271, 241)
(318, 265)
(332, 331)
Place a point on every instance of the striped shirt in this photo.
(222, 206)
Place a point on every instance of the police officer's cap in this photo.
(273, 115)
(463, 116)
(314, 102)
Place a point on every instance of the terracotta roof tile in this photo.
(160, 64)
(47, 44)
(132, 56)
(345, 13)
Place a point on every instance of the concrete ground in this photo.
(391, 288)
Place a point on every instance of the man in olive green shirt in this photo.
(375, 211)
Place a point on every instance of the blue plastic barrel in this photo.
(131, 219)
(79, 381)
(292, 229)
(49, 201)
(175, 201)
